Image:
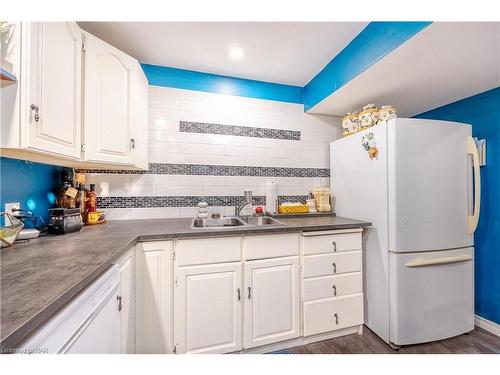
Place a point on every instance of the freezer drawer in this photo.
(431, 295)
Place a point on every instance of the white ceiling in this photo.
(282, 52)
(443, 63)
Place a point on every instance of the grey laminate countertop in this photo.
(39, 277)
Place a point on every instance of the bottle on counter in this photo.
(81, 201)
(91, 199)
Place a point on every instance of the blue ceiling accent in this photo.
(374, 42)
(191, 80)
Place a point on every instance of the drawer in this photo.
(330, 314)
(317, 243)
(271, 246)
(332, 286)
(331, 264)
(207, 250)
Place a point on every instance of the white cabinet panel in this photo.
(110, 116)
(207, 250)
(331, 264)
(141, 135)
(332, 286)
(126, 303)
(154, 295)
(51, 95)
(317, 243)
(271, 246)
(329, 314)
(271, 301)
(208, 309)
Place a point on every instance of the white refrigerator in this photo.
(418, 183)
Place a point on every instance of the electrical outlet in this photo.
(10, 206)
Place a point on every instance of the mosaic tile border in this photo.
(239, 131)
(187, 201)
(218, 170)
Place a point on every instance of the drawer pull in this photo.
(334, 268)
(334, 290)
(249, 292)
(334, 246)
(336, 316)
(239, 294)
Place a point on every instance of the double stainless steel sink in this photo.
(234, 221)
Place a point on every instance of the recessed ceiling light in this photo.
(236, 53)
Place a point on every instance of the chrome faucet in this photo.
(247, 199)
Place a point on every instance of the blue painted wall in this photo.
(373, 43)
(28, 183)
(191, 80)
(483, 113)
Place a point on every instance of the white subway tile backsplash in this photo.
(163, 102)
(154, 213)
(198, 148)
(202, 180)
(244, 151)
(167, 145)
(179, 190)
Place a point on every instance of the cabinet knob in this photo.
(132, 143)
(336, 316)
(334, 267)
(119, 299)
(35, 108)
(334, 290)
(334, 244)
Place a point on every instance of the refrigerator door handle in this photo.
(472, 150)
(437, 261)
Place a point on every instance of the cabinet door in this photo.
(271, 301)
(52, 84)
(208, 309)
(126, 304)
(109, 115)
(141, 135)
(154, 297)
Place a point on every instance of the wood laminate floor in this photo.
(476, 342)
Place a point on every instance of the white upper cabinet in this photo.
(141, 136)
(52, 88)
(79, 101)
(110, 114)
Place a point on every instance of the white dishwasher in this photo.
(88, 324)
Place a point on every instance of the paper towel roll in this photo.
(271, 197)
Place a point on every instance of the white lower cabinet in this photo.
(208, 312)
(272, 305)
(329, 314)
(154, 297)
(227, 294)
(126, 303)
(332, 282)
